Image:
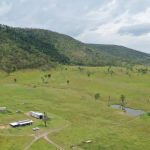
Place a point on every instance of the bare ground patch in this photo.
(4, 127)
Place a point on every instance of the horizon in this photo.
(112, 22)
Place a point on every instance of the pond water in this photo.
(129, 111)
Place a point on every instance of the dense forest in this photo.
(22, 48)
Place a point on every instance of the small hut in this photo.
(37, 115)
(2, 109)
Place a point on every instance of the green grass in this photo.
(14, 142)
(74, 105)
(42, 145)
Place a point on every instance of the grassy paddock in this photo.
(74, 103)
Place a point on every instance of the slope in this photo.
(35, 48)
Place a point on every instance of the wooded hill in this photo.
(34, 48)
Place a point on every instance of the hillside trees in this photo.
(36, 48)
(8, 65)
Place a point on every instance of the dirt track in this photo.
(45, 136)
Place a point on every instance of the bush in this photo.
(97, 96)
(148, 113)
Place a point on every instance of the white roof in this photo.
(14, 123)
(21, 122)
(2, 108)
(37, 113)
(25, 121)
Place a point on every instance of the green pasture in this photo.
(73, 109)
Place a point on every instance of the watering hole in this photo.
(129, 111)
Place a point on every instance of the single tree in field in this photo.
(15, 80)
(68, 81)
(88, 74)
(122, 102)
(109, 69)
(111, 72)
(45, 119)
(97, 96)
(49, 75)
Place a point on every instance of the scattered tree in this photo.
(110, 71)
(109, 68)
(97, 96)
(122, 102)
(148, 113)
(88, 74)
(49, 75)
(15, 80)
(68, 81)
(45, 119)
(80, 69)
(142, 70)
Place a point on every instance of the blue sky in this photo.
(121, 22)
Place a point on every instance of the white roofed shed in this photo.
(21, 123)
(37, 115)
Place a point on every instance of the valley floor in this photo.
(76, 115)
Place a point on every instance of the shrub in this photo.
(148, 113)
(97, 96)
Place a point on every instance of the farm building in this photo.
(37, 115)
(21, 123)
(2, 109)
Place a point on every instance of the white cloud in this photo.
(114, 20)
(97, 21)
(4, 8)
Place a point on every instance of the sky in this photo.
(120, 22)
